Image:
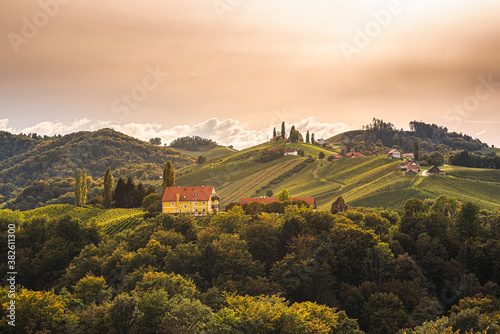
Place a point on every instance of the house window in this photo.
(185, 206)
(175, 210)
(172, 203)
(195, 203)
(180, 210)
(189, 202)
(195, 210)
(203, 204)
(203, 209)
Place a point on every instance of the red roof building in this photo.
(354, 154)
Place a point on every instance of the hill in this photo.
(378, 137)
(26, 159)
(372, 181)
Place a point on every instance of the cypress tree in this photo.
(283, 134)
(130, 190)
(312, 139)
(108, 189)
(274, 133)
(78, 189)
(83, 189)
(168, 176)
(416, 149)
(120, 193)
(307, 137)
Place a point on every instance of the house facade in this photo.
(394, 154)
(321, 141)
(199, 201)
(354, 154)
(291, 151)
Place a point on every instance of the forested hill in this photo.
(24, 159)
(377, 136)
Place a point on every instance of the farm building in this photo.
(394, 154)
(435, 171)
(321, 141)
(412, 167)
(404, 164)
(199, 201)
(290, 151)
(408, 155)
(267, 200)
(354, 154)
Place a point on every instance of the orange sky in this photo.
(235, 73)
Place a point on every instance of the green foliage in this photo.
(284, 196)
(124, 313)
(92, 289)
(201, 160)
(192, 143)
(108, 189)
(339, 205)
(168, 176)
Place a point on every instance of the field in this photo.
(113, 220)
(363, 181)
(209, 152)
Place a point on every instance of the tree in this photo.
(269, 193)
(83, 196)
(168, 176)
(120, 193)
(108, 188)
(307, 137)
(78, 189)
(124, 313)
(283, 129)
(155, 141)
(468, 223)
(151, 203)
(274, 133)
(342, 152)
(201, 160)
(92, 289)
(416, 149)
(436, 158)
(321, 155)
(284, 196)
(312, 139)
(339, 205)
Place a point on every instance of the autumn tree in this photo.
(339, 205)
(284, 195)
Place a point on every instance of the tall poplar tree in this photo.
(78, 189)
(108, 189)
(312, 139)
(168, 176)
(307, 137)
(416, 149)
(83, 189)
(283, 134)
(274, 133)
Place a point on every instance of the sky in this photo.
(231, 70)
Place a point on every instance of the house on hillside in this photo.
(267, 200)
(199, 201)
(354, 154)
(321, 141)
(404, 164)
(408, 155)
(394, 154)
(291, 151)
(412, 168)
(338, 156)
(435, 171)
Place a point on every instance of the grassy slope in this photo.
(102, 216)
(488, 150)
(210, 152)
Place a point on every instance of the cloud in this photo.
(226, 132)
(480, 133)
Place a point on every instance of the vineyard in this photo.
(119, 225)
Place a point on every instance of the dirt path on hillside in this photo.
(315, 171)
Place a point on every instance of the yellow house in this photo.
(199, 201)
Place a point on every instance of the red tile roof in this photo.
(354, 154)
(187, 194)
(267, 200)
(392, 151)
(290, 150)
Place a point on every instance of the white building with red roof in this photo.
(199, 201)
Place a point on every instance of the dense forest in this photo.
(377, 136)
(193, 143)
(25, 160)
(466, 159)
(433, 267)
